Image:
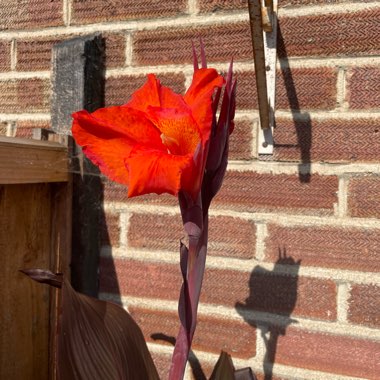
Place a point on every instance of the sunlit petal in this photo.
(107, 142)
(199, 98)
(154, 171)
(147, 95)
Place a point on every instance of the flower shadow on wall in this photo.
(273, 292)
(302, 120)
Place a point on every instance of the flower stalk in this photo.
(195, 221)
(163, 142)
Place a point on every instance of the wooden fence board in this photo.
(25, 220)
(30, 161)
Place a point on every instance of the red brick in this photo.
(110, 230)
(363, 196)
(162, 363)
(140, 278)
(25, 128)
(288, 3)
(222, 5)
(119, 89)
(327, 140)
(266, 291)
(231, 5)
(30, 14)
(261, 291)
(91, 11)
(30, 124)
(5, 55)
(212, 334)
(364, 87)
(328, 247)
(155, 232)
(173, 45)
(251, 191)
(312, 88)
(3, 128)
(302, 88)
(231, 237)
(364, 305)
(248, 191)
(115, 49)
(241, 140)
(35, 54)
(24, 95)
(329, 353)
(25, 133)
(115, 192)
(311, 35)
(300, 36)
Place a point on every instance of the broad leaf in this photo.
(97, 340)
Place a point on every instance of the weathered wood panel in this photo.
(30, 161)
(78, 83)
(25, 242)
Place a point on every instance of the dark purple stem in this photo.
(193, 260)
(195, 220)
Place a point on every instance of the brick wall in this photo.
(292, 282)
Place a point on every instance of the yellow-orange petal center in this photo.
(171, 143)
(179, 132)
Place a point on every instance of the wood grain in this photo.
(25, 220)
(29, 161)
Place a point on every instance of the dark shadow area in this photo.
(106, 267)
(302, 120)
(274, 293)
(89, 227)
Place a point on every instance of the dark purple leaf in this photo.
(193, 261)
(245, 374)
(44, 277)
(225, 125)
(224, 368)
(195, 58)
(203, 54)
(98, 339)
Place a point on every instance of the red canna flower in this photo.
(156, 143)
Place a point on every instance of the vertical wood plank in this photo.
(78, 83)
(61, 219)
(25, 217)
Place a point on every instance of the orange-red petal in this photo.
(147, 95)
(109, 138)
(203, 84)
(199, 98)
(154, 171)
(132, 123)
(153, 94)
(178, 129)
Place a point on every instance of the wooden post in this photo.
(78, 83)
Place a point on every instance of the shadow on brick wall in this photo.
(302, 120)
(271, 301)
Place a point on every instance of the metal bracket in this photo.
(263, 20)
